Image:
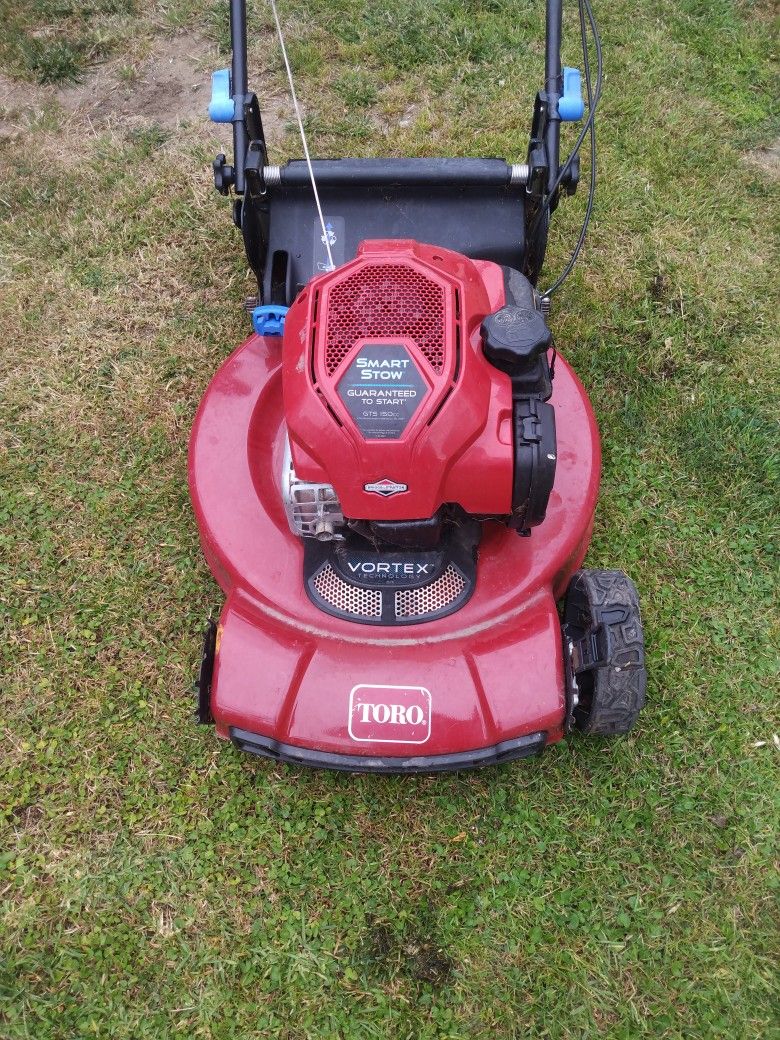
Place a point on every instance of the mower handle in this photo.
(239, 81)
(538, 177)
(553, 87)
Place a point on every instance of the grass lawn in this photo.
(155, 883)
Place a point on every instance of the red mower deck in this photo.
(294, 683)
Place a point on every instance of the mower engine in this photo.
(416, 383)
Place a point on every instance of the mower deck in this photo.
(291, 682)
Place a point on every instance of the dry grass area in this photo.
(156, 884)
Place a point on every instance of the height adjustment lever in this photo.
(571, 107)
(222, 107)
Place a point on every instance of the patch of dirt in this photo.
(14, 99)
(168, 87)
(410, 114)
(767, 159)
(427, 963)
(658, 287)
(414, 956)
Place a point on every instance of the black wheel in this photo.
(203, 685)
(603, 647)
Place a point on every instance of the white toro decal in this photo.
(390, 714)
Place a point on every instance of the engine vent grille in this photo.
(346, 598)
(430, 599)
(386, 300)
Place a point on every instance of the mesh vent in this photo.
(385, 300)
(430, 599)
(347, 598)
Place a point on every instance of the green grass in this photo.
(154, 883)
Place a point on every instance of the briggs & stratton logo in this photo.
(390, 714)
(386, 487)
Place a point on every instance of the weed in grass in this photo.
(357, 89)
(54, 61)
(148, 139)
(52, 42)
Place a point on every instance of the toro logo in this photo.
(390, 714)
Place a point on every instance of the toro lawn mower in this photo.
(395, 476)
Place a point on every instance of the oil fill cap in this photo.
(514, 336)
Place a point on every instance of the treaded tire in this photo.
(604, 651)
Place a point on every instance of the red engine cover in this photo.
(387, 394)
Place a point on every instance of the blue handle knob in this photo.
(571, 107)
(221, 107)
(268, 320)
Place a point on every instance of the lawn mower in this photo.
(395, 475)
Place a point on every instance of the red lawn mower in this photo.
(395, 476)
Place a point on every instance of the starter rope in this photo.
(325, 236)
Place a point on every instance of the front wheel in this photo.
(603, 646)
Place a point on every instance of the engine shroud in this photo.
(387, 394)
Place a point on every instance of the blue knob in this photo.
(571, 106)
(268, 320)
(221, 107)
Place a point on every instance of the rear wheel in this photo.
(206, 674)
(603, 646)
